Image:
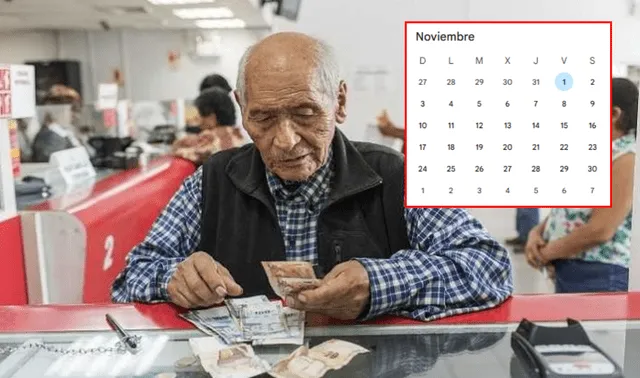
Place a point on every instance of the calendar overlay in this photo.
(508, 114)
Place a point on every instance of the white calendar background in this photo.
(508, 132)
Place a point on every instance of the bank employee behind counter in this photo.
(303, 191)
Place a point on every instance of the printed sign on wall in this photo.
(5, 92)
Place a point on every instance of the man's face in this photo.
(291, 121)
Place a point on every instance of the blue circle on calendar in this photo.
(564, 81)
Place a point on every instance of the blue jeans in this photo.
(526, 219)
(579, 276)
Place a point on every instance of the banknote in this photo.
(191, 318)
(336, 353)
(219, 360)
(276, 270)
(295, 285)
(298, 365)
(253, 319)
(317, 361)
(235, 305)
(205, 347)
(216, 321)
(263, 320)
(237, 361)
(295, 323)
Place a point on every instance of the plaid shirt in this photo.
(453, 267)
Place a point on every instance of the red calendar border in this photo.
(406, 23)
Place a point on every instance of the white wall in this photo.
(142, 58)
(368, 36)
(147, 56)
(18, 47)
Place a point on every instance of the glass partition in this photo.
(420, 351)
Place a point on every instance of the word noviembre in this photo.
(421, 36)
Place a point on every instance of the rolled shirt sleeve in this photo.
(173, 236)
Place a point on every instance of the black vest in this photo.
(363, 217)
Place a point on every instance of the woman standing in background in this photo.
(588, 250)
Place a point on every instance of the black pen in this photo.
(128, 340)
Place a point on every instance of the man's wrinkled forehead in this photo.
(281, 77)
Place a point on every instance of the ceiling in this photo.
(88, 14)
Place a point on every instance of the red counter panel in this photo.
(117, 215)
(13, 282)
(165, 316)
(120, 221)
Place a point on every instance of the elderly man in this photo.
(303, 191)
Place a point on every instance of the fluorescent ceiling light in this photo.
(202, 13)
(233, 23)
(180, 2)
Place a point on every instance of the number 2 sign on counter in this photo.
(109, 243)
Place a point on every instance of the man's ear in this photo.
(341, 110)
(235, 95)
(616, 114)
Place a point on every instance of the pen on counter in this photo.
(128, 340)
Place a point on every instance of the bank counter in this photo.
(471, 345)
(73, 244)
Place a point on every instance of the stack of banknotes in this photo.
(240, 361)
(256, 319)
(253, 319)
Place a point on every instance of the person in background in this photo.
(210, 81)
(217, 123)
(52, 136)
(26, 152)
(526, 220)
(588, 250)
(218, 81)
(62, 95)
(215, 81)
(387, 128)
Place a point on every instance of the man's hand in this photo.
(200, 281)
(551, 272)
(384, 123)
(342, 294)
(532, 249)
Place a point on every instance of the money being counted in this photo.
(253, 319)
(235, 305)
(295, 322)
(296, 285)
(317, 361)
(286, 277)
(216, 321)
(261, 321)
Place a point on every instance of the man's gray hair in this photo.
(327, 66)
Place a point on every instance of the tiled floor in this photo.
(501, 224)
